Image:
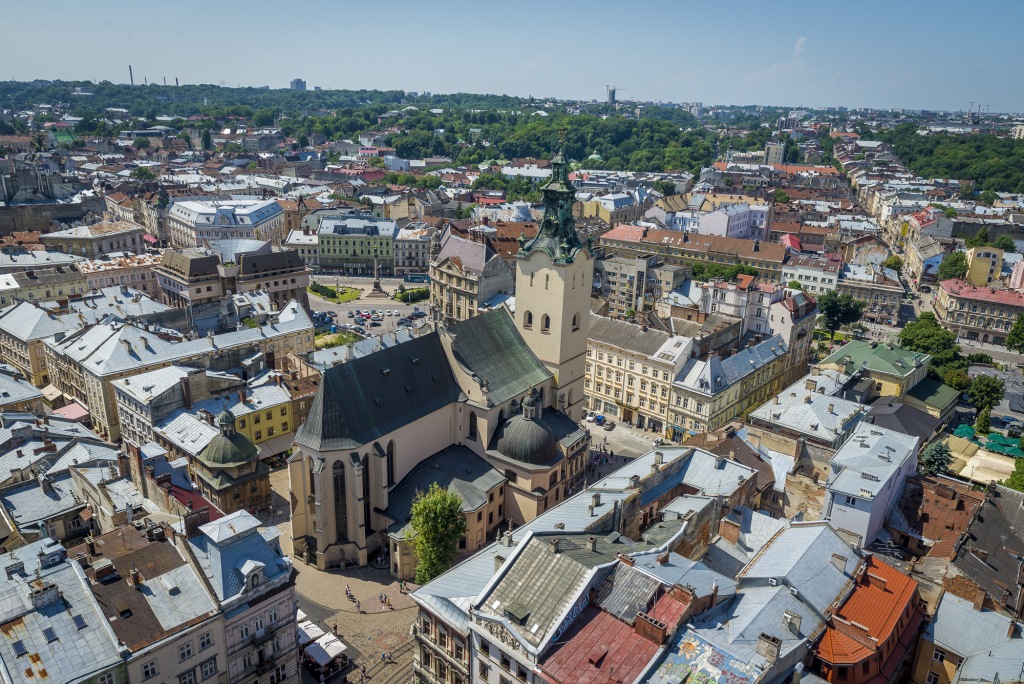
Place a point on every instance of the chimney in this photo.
(798, 671)
(839, 562)
(811, 385)
(876, 581)
(768, 647)
(241, 396)
(831, 408)
(90, 544)
(135, 577)
(634, 481)
(793, 621)
(596, 499)
(729, 530)
(650, 628)
(498, 562)
(43, 594)
(663, 558)
(592, 543)
(553, 545)
(659, 457)
(1011, 629)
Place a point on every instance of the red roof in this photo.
(73, 411)
(870, 614)
(958, 288)
(791, 242)
(602, 649)
(186, 497)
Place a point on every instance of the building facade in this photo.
(978, 313)
(191, 222)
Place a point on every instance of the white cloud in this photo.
(798, 49)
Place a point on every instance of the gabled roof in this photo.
(368, 397)
(880, 358)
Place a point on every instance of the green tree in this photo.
(983, 423)
(438, 524)
(141, 143)
(957, 378)
(206, 139)
(665, 187)
(986, 391)
(893, 262)
(142, 173)
(781, 197)
(925, 335)
(953, 266)
(1015, 340)
(979, 239)
(794, 285)
(1005, 243)
(838, 310)
(1016, 480)
(935, 459)
(988, 197)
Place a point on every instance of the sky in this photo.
(915, 54)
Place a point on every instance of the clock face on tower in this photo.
(223, 220)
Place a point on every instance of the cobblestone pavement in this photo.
(369, 630)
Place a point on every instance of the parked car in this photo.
(374, 324)
(608, 425)
(403, 322)
(1014, 432)
(351, 315)
(598, 420)
(590, 417)
(359, 330)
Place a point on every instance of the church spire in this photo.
(557, 235)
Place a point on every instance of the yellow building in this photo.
(984, 264)
(894, 370)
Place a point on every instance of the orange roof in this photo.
(876, 604)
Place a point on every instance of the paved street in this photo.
(388, 325)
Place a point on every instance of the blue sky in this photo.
(922, 54)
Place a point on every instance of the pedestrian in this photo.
(359, 608)
(383, 656)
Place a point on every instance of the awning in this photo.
(73, 411)
(325, 650)
(51, 393)
(276, 445)
(150, 239)
(309, 632)
(86, 514)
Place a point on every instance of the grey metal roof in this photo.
(893, 415)
(27, 321)
(84, 646)
(627, 336)
(981, 636)
(714, 375)
(28, 504)
(801, 557)
(685, 572)
(626, 592)
(227, 545)
(457, 469)
(864, 464)
(810, 406)
(14, 389)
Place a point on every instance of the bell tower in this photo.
(554, 275)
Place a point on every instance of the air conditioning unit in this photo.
(772, 582)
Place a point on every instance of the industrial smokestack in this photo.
(175, 81)
(165, 80)
(130, 76)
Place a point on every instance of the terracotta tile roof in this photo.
(869, 616)
(958, 288)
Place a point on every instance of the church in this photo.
(489, 407)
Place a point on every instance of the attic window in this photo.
(49, 634)
(19, 648)
(385, 371)
(79, 621)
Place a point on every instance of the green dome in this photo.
(529, 401)
(229, 450)
(226, 417)
(528, 441)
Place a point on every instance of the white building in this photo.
(412, 248)
(193, 221)
(814, 274)
(865, 480)
(741, 220)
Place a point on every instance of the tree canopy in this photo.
(438, 524)
(935, 459)
(986, 392)
(1015, 340)
(838, 310)
(994, 163)
(927, 336)
(952, 266)
(1005, 243)
(894, 262)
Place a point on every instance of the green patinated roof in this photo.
(228, 451)
(489, 346)
(223, 480)
(934, 393)
(557, 235)
(880, 358)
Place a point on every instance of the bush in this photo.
(414, 295)
(979, 357)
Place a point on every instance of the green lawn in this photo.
(345, 294)
(342, 337)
